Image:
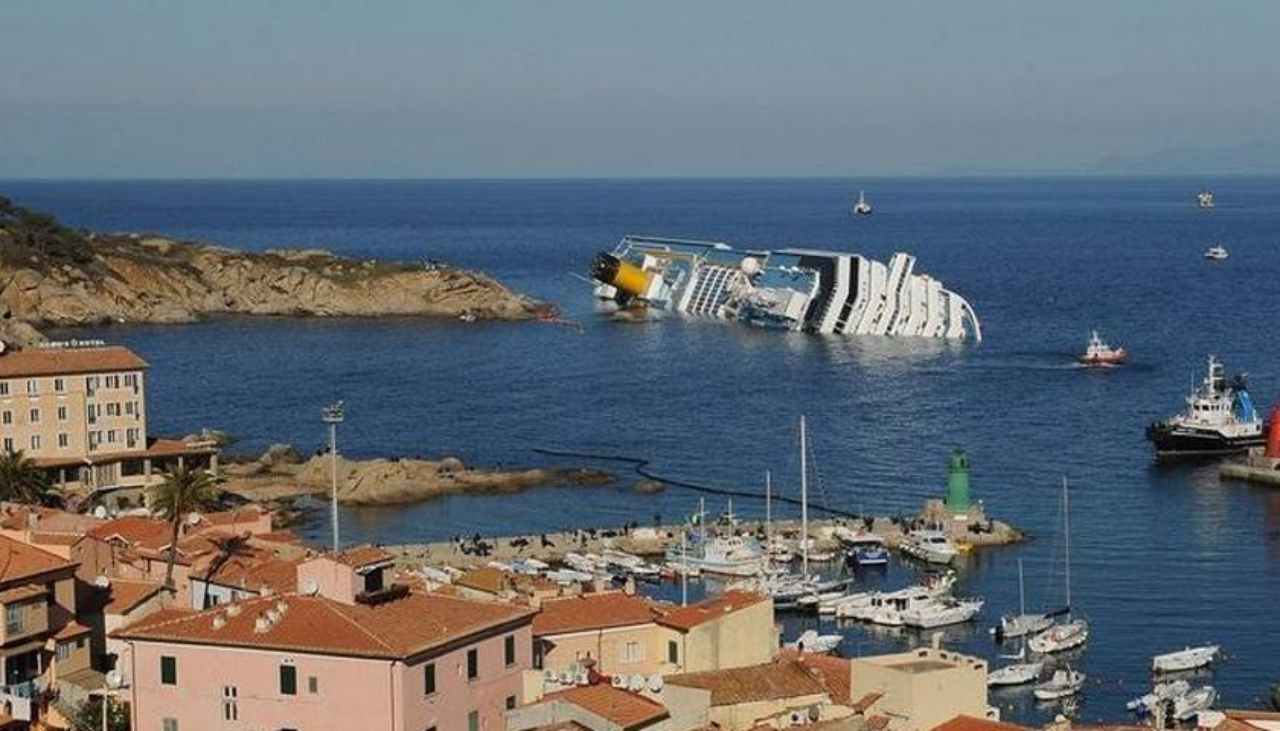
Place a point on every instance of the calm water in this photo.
(1162, 557)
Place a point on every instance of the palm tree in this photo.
(22, 481)
(183, 490)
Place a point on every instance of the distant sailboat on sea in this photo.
(862, 207)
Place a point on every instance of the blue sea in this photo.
(1162, 557)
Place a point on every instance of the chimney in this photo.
(629, 588)
(233, 610)
(219, 621)
(261, 624)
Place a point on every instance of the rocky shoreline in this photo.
(282, 473)
(51, 275)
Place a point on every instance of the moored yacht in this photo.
(862, 207)
(1186, 659)
(1065, 682)
(866, 549)
(1074, 632)
(942, 612)
(1220, 419)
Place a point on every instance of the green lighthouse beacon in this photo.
(958, 482)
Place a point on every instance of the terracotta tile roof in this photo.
(249, 514)
(124, 595)
(971, 723)
(283, 535)
(865, 703)
(624, 708)
(48, 524)
(135, 531)
(769, 681)
(564, 726)
(66, 361)
(686, 618)
(399, 628)
(591, 611)
(254, 572)
(487, 579)
(155, 448)
(71, 629)
(55, 539)
(835, 674)
(877, 723)
(362, 556)
(19, 593)
(19, 560)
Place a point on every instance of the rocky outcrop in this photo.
(393, 481)
(69, 278)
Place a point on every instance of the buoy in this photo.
(1273, 436)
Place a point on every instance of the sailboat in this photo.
(1022, 671)
(1020, 624)
(1074, 632)
(862, 207)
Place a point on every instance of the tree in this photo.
(182, 491)
(88, 715)
(22, 481)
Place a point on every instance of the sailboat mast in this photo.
(804, 501)
(1022, 597)
(684, 570)
(1066, 522)
(768, 509)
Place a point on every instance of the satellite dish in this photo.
(193, 518)
(310, 587)
(618, 681)
(102, 582)
(114, 679)
(636, 683)
(2, 347)
(100, 512)
(655, 683)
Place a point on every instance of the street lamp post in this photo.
(332, 415)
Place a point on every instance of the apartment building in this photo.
(346, 650)
(80, 412)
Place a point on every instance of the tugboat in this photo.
(1100, 354)
(862, 207)
(1217, 252)
(1205, 199)
(1220, 419)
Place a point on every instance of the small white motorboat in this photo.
(1099, 353)
(1064, 683)
(931, 546)
(1186, 659)
(1205, 199)
(941, 613)
(1161, 693)
(811, 641)
(862, 207)
(1188, 705)
(1216, 253)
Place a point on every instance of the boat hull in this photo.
(1180, 442)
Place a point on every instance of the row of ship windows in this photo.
(95, 440)
(91, 384)
(92, 412)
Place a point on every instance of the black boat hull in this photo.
(1174, 443)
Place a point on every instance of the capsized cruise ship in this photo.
(806, 290)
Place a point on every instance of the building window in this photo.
(229, 710)
(511, 702)
(473, 721)
(510, 650)
(35, 442)
(429, 678)
(313, 684)
(35, 416)
(168, 670)
(170, 724)
(113, 409)
(62, 413)
(7, 418)
(93, 440)
(13, 616)
(473, 664)
(64, 650)
(128, 408)
(32, 387)
(288, 680)
(131, 437)
(8, 445)
(64, 440)
(90, 414)
(673, 652)
(4, 388)
(59, 385)
(632, 652)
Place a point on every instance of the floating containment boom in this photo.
(806, 290)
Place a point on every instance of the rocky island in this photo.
(54, 275)
(281, 473)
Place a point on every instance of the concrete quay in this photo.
(1255, 468)
(652, 542)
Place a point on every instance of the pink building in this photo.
(346, 651)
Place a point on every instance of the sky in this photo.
(595, 88)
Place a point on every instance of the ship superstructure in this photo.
(806, 290)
